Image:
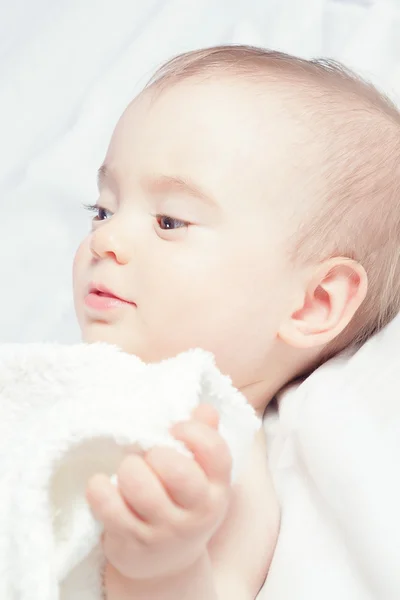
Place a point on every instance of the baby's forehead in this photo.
(223, 111)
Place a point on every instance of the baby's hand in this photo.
(167, 506)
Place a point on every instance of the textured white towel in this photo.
(67, 412)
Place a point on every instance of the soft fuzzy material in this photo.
(68, 412)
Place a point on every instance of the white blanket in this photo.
(335, 457)
(67, 413)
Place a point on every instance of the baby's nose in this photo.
(106, 243)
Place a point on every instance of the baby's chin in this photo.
(99, 331)
(102, 332)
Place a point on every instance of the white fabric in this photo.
(335, 458)
(68, 412)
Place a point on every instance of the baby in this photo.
(248, 205)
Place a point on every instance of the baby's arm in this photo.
(194, 583)
(242, 549)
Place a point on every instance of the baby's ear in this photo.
(331, 298)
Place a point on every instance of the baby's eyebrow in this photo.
(165, 183)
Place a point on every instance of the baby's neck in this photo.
(283, 368)
(260, 394)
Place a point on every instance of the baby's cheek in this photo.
(80, 263)
(80, 255)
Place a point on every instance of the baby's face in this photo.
(190, 231)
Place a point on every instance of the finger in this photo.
(208, 447)
(143, 491)
(206, 414)
(183, 479)
(109, 507)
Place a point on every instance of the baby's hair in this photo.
(356, 132)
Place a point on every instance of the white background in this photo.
(67, 70)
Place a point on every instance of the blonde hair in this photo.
(358, 131)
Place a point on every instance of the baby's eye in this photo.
(101, 214)
(167, 223)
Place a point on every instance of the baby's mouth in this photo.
(100, 298)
